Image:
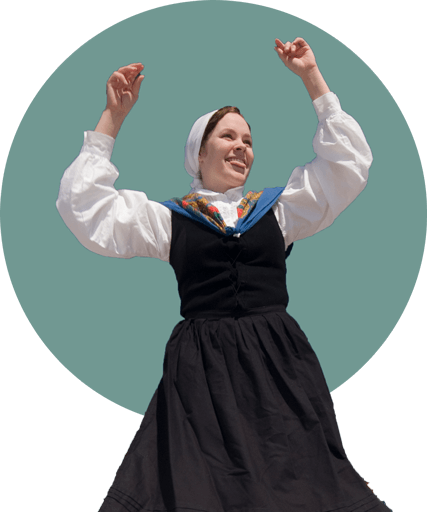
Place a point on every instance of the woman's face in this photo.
(227, 157)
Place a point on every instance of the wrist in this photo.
(310, 74)
(314, 83)
(116, 116)
(110, 122)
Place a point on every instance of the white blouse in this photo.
(125, 223)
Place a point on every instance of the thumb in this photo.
(137, 84)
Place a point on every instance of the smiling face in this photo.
(227, 157)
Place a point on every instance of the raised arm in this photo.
(299, 58)
(110, 222)
(320, 190)
(122, 94)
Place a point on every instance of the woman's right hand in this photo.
(123, 88)
(122, 94)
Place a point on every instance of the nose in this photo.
(240, 145)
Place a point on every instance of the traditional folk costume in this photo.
(242, 419)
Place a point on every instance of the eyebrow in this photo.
(225, 130)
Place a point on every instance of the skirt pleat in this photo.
(241, 421)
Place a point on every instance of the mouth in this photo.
(236, 162)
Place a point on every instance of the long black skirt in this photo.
(241, 421)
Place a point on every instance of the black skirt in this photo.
(242, 421)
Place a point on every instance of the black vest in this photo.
(222, 275)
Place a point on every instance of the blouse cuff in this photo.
(98, 144)
(326, 105)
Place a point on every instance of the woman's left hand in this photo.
(297, 56)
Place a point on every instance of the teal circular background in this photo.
(108, 320)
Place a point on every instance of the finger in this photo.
(299, 41)
(137, 84)
(138, 80)
(137, 77)
(123, 69)
(129, 71)
(118, 78)
(135, 68)
(287, 47)
(133, 74)
(279, 43)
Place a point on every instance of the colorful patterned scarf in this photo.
(200, 207)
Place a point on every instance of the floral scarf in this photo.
(251, 208)
(200, 207)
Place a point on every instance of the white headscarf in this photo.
(192, 148)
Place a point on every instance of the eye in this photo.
(248, 142)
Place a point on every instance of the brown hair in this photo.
(214, 120)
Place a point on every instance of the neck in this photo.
(218, 189)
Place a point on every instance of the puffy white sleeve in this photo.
(319, 191)
(110, 222)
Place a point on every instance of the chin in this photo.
(237, 182)
(241, 179)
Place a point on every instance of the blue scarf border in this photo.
(268, 197)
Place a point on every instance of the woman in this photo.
(242, 418)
